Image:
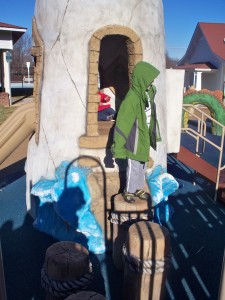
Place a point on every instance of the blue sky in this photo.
(180, 18)
(17, 12)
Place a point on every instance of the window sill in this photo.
(103, 140)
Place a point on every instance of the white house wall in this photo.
(188, 81)
(220, 75)
(6, 40)
(66, 27)
(211, 81)
(202, 53)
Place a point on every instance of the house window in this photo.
(113, 52)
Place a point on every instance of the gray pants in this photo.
(135, 175)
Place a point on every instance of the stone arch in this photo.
(216, 109)
(135, 54)
(37, 52)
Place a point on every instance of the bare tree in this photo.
(20, 55)
(171, 62)
(22, 51)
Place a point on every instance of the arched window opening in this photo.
(113, 52)
(113, 66)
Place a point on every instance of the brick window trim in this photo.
(97, 133)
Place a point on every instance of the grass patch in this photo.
(5, 112)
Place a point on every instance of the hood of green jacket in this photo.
(142, 76)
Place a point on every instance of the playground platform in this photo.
(197, 239)
(202, 146)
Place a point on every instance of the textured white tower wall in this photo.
(66, 27)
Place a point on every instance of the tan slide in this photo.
(16, 129)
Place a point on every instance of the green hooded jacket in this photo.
(131, 132)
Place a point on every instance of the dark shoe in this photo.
(129, 197)
(142, 195)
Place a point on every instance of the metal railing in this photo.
(200, 133)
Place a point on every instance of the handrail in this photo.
(201, 133)
(196, 135)
(202, 112)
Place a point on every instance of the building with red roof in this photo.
(204, 60)
(9, 35)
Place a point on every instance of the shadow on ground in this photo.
(19, 94)
(197, 242)
(12, 172)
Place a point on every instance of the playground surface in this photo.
(196, 229)
(197, 243)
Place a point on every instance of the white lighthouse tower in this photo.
(79, 46)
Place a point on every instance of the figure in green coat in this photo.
(137, 129)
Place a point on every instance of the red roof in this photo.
(215, 34)
(17, 31)
(5, 25)
(203, 66)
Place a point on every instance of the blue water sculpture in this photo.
(161, 185)
(65, 208)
